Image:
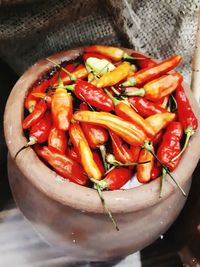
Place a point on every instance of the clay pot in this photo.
(70, 216)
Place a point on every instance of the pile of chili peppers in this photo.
(108, 116)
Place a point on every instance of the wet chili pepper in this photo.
(92, 95)
(115, 179)
(146, 62)
(36, 115)
(114, 53)
(61, 107)
(63, 165)
(115, 76)
(144, 107)
(57, 139)
(160, 120)
(95, 135)
(148, 74)
(144, 170)
(39, 132)
(126, 130)
(186, 116)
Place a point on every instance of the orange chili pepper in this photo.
(76, 134)
(98, 161)
(61, 106)
(160, 120)
(57, 139)
(115, 76)
(144, 170)
(126, 130)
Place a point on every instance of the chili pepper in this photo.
(160, 120)
(160, 87)
(98, 66)
(144, 170)
(144, 107)
(115, 179)
(45, 97)
(88, 161)
(95, 135)
(115, 76)
(31, 100)
(63, 165)
(156, 172)
(121, 150)
(145, 63)
(92, 95)
(39, 132)
(186, 116)
(163, 102)
(76, 134)
(126, 130)
(61, 107)
(57, 139)
(36, 115)
(135, 151)
(98, 161)
(72, 154)
(157, 138)
(147, 74)
(115, 53)
(94, 55)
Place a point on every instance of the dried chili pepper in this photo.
(114, 53)
(36, 115)
(39, 132)
(115, 179)
(144, 107)
(147, 74)
(186, 116)
(126, 130)
(95, 135)
(115, 76)
(146, 62)
(144, 170)
(57, 139)
(63, 165)
(61, 107)
(92, 95)
(160, 120)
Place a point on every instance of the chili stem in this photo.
(102, 149)
(106, 207)
(32, 141)
(111, 159)
(147, 146)
(127, 56)
(162, 181)
(189, 132)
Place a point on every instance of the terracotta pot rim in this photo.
(68, 193)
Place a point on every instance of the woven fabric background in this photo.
(30, 30)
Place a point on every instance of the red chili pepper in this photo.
(156, 172)
(144, 170)
(157, 138)
(61, 107)
(186, 115)
(163, 102)
(95, 135)
(115, 179)
(72, 154)
(57, 139)
(76, 134)
(146, 62)
(98, 161)
(95, 55)
(121, 150)
(45, 97)
(36, 115)
(63, 165)
(92, 95)
(170, 146)
(144, 107)
(147, 74)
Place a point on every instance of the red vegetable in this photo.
(57, 139)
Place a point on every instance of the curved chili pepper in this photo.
(144, 170)
(147, 74)
(170, 145)
(92, 95)
(61, 107)
(146, 62)
(57, 139)
(115, 179)
(63, 165)
(36, 115)
(39, 132)
(144, 107)
(76, 134)
(160, 120)
(95, 135)
(98, 161)
(115, 76)
(186, 116)
(126, 130)
(115, 53)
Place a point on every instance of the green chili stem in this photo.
(102, 149)
(139, 92)
(127, 56)
(162, 181)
